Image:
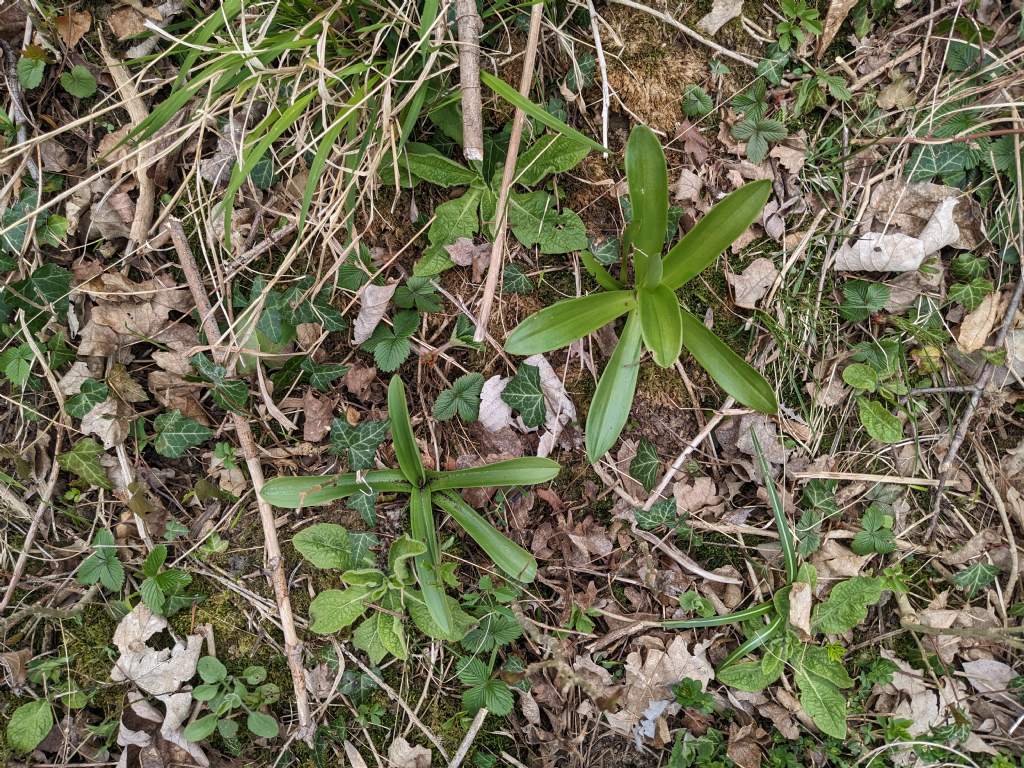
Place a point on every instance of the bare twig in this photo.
(469, 25)
(275, 561)
(692, 34)
(967, 137)
(997, 499)
(46, 612)
(864, 477)
(984, 376)
(469, 738)
(18, 114)
(603, 68)
(501, 220)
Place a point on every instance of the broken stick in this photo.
(469, 26)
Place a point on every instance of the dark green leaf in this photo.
(862, 299)
(325, 545)
(406, 451)
(359, 442)
(975, 578)
(514, 280)
(645, 465)
(79, 82)
(176, 433)
(84, 461)
(647, 176)
(523, 393)
(463, 397)
(660, 323)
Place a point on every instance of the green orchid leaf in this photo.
(699, 247)
(564, 322)
(613, 397)
(731, 371)
(425, 162)
(530, 470)
(312, 491)
(647, 176)
(406, 452)
(660, 323)
(506, 554)
(421, 521)
(598, 272)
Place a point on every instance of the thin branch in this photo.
(469, 738)
(275, 561)
(468, 21)
(501, 220)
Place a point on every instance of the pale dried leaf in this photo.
(402, 754)
(695, 495)
(878, 252)
(790, 158)
(157, 672)
(988, 675)
(754, 282)
(318, 412)
(374, 304)
(71, 382)
(978, 324)
(800, 599)
(126, 22)
(837, 12)
(688, 187)
(495, 413)
(109, 421)
(559, 409)
(896, 95)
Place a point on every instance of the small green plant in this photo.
(163, 589)
(426, 489)
(226, 695)
(802, 21)
(655, 319)
(877, 376)
(755, 128)
(690, 694)
(103, 566)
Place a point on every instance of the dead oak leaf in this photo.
(753, 283)
(72, 27)
(157, 672)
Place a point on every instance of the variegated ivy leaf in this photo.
(176, 433)
(359, 443)
(645, 465)
(89, 396)
(523, 393)
(83, 460)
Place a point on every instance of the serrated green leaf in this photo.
(696, 102)
(879, 423)
(103, 565)
(325, 545)
(645, 465)
(16, 363)
(847, 605)
(417, 293)
(84, 461)
(360, 443)
(463, 397)
(862, 299)
(176, 433)
(496, 628)
(523, 393)
(481, 689)
(758, 132)
(29, 725)
(881, 542)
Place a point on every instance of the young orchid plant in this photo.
(654, 317)
(427, 489)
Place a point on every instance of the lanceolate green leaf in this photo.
(756, 640)
(541, 115)
(421, 521)
(506, 554)
(613, 397)
(778, 510)
(732, 372)
(648, 194)
(660, 323)
(562, 323)
(524, 471)
(312, 491)
(714, 233)
(407, 453)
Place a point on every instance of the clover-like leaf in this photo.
(463, 397)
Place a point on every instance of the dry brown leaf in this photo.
(157, 672)
(72, 27)
(790, 158)
(358, 378)
(124, 386)
(697, 495)
(373, 305)
(909, 206)
(318, 412)
(154, 740)
(978, 324)
(109, 421)
(881, 252)
(402, 754)
(688, 187)
(721, 13)
(754, 282)
(800, 599)
(743, 746)
(126, 22)
(834, 561)
(988, 675)
(465, 253)
(837, 12)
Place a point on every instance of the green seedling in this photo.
(655, 319)
(427, 489)
(224, 694)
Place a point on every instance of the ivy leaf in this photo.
(523, 393)
(862, 299)
(463, 397)
(879, 423)
(514, 280)
(847, 605)
(103, 565)
(322, 375)
(176, 433)
(365, 503)
(661, 513)
(971, 294)
(89, 396)
(948, 161)
(42, 295)
(79, 82)
(325, 545)
(83, 460)
(29, 724)
(645, 465)
(967, 266)
(380, 635)
(758, 132)
(482, 689)
(977, 577)
(362, 544)
(359, 442)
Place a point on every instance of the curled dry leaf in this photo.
(318, 412)
(837, 12)
(909, 206)
(721, 13)
(374, 304)
(978, 324)
(402, 754)
(154, 740)
(157, 672)
(109, 421)
(495, 413)
(753, 283)
(72, 27)
(800, 599)
(697, 495)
